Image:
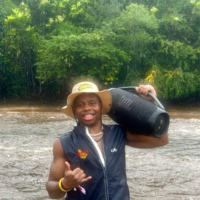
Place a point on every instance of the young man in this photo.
(89, 161)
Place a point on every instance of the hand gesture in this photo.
(74, 178)
(143, 90)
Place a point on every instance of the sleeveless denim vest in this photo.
(108, 182)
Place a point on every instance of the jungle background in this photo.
(48, 45)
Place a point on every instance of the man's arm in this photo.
(56, 171)
(60, 168)
(142, 141)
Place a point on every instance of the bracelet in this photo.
(60, 186)
(63, 185)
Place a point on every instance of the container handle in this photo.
(150, 94)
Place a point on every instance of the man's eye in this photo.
(92, 103)
(80, 105)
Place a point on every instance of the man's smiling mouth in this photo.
(88, 117)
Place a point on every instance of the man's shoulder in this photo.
(115, 132)
(67, 134)
(114, 127)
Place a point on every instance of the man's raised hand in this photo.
(143, 90)
(74, 178)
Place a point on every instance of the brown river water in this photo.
(27, 134)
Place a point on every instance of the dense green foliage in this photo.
(46, 44)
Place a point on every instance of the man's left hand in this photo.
(143, 91)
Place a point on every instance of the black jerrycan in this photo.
(138, 114)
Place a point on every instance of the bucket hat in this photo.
(88, 87)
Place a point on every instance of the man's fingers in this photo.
(77, 171)
(67, 166)
(145, 89)
(82, 176)
(86, 179)
(79, 175)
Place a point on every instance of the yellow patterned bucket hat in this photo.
(88, 87)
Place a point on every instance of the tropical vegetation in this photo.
(46, 45)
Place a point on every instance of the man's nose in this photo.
(87, 107)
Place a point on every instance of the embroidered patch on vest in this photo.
(113, 150)
(82, 154)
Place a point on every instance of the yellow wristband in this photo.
(60, 186)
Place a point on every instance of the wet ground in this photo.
(28, 131)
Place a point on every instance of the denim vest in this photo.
(108, 182)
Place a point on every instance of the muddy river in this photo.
(27, 134)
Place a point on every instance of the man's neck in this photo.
(95, 129)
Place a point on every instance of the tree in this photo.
(19, 44)
(44, 44)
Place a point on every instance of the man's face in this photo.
(87, 109)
